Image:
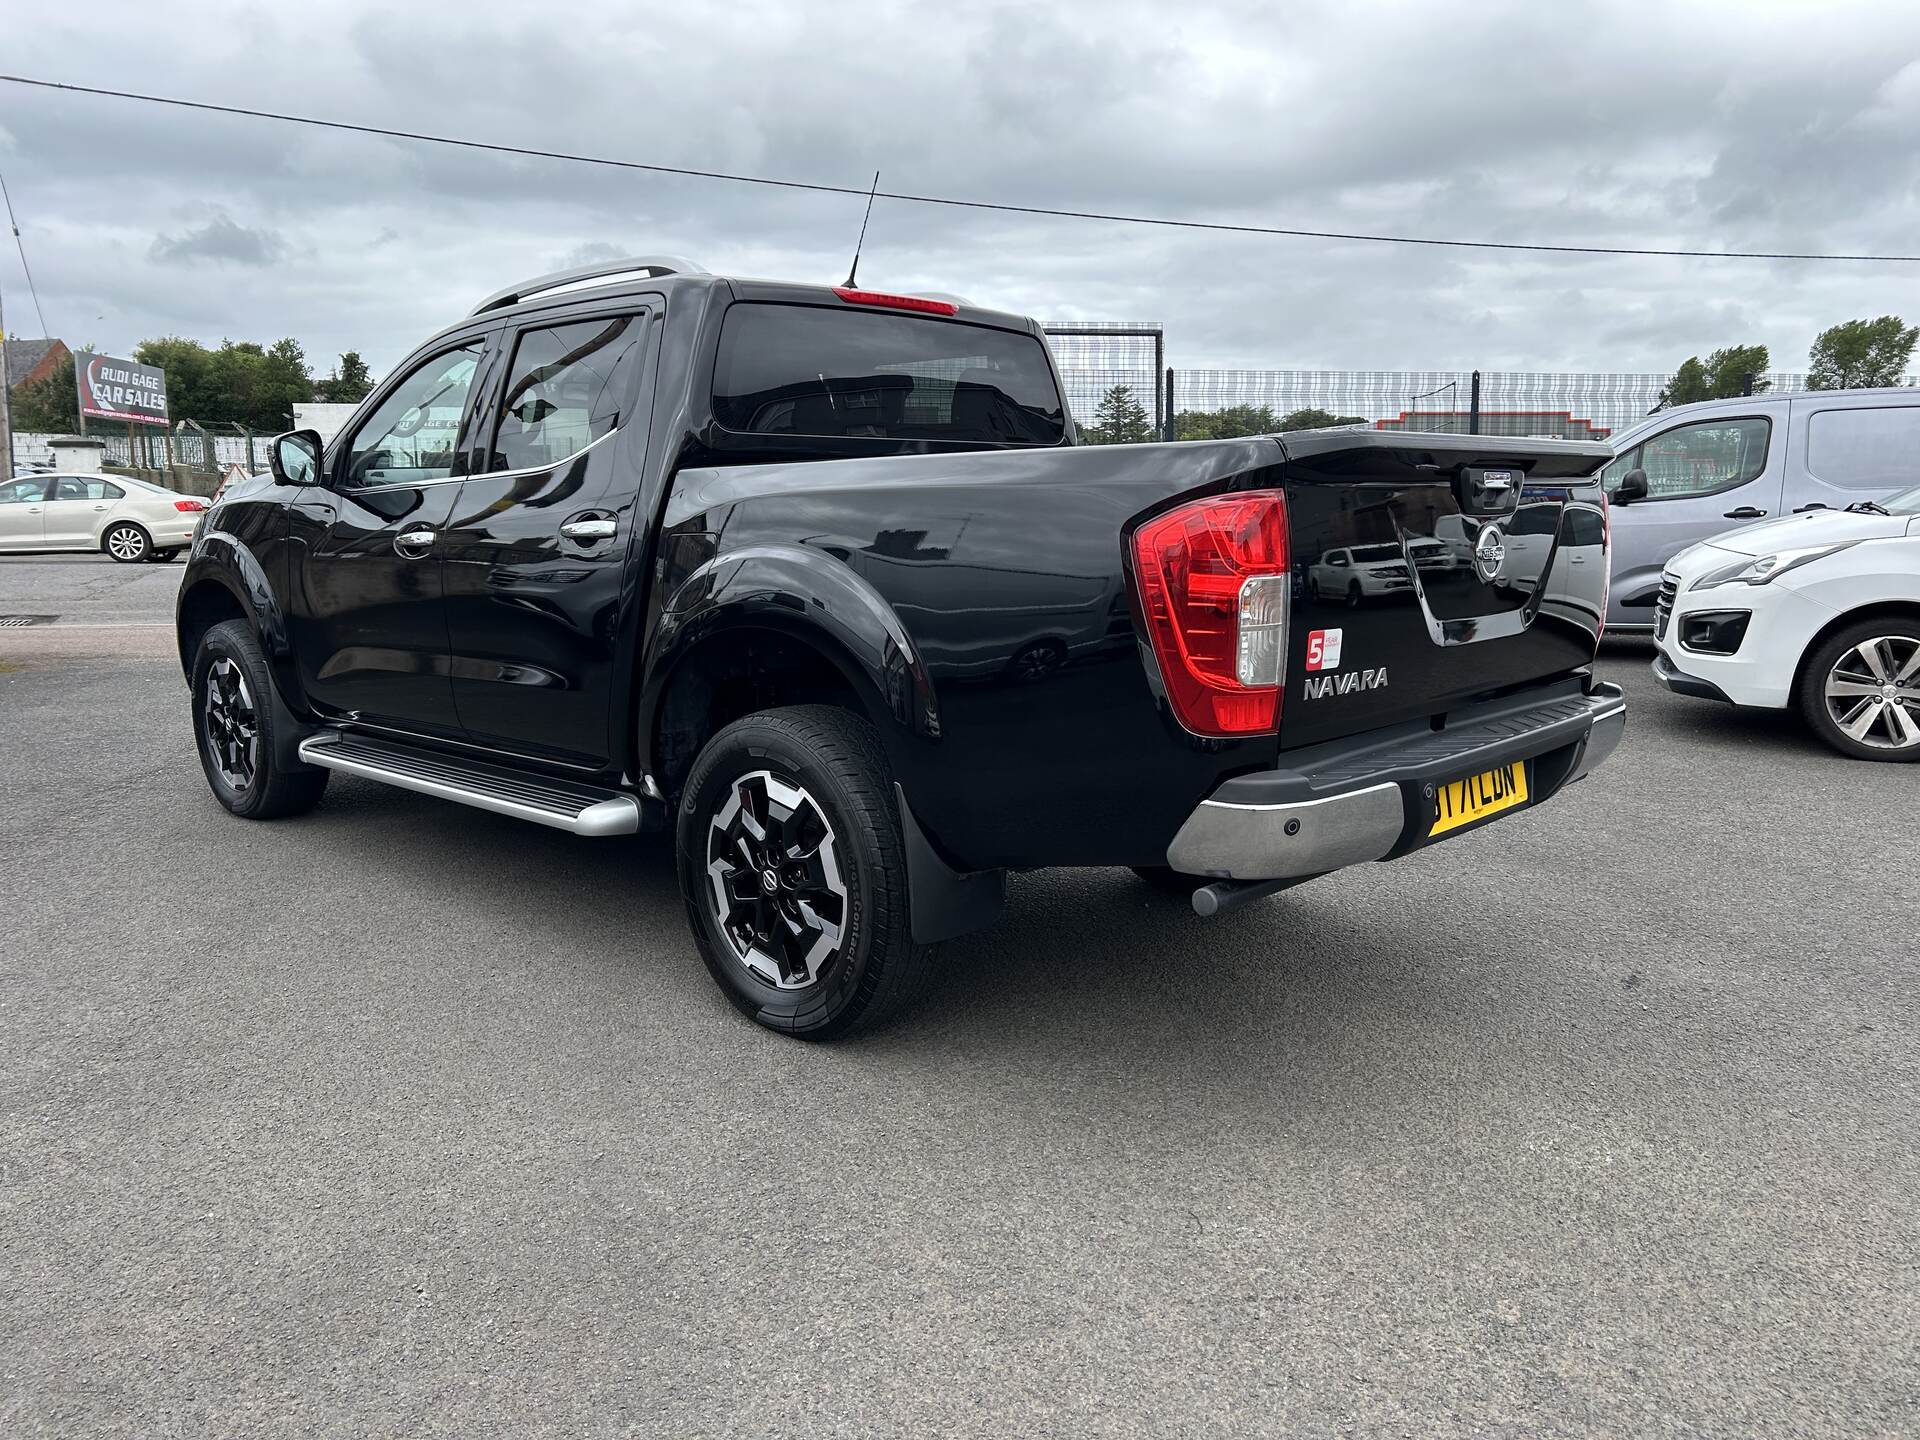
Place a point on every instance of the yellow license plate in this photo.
(1461, 802)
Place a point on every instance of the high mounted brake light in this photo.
(896, 302)
(1214, 586)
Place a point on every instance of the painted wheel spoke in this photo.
(1862, 720)
(1870, 695)
(1838, 686)
(1903, 724)
(775, 881)
(231, 723)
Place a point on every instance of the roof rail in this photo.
(647, 265)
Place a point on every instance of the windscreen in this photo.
(867, 374)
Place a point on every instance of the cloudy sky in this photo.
(1746, 125)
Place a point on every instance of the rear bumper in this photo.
(1373, 799)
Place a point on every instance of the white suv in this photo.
(1819, 611)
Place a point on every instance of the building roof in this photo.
(24, 355)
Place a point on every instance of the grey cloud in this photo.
(1707, 125)
(591, 252)
(221, 239)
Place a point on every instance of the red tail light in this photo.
(897, 302)
(1214, 586)
(190, 507)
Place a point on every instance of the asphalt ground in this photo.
(401, 1118)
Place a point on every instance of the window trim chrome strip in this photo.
(487, 474)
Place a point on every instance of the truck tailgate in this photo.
(1430, 571)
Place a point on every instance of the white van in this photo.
(1697, 471)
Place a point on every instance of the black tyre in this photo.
(794, 873)
(126, 542)
(161, 557)
(1354, 596)
(233, 721)
(1860, 690)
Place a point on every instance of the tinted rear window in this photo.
(865, 374)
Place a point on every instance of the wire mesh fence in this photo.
(1575, 406)
(151, 449)
(1201, 404)
(1096, 359)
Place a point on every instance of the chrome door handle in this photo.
(414, 543)
(589, 529)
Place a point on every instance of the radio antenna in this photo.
(854, 269)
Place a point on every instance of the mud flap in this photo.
(944, 902)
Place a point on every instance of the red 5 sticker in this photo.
(1323, 649)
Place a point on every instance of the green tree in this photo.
(1119, 419)
(1720, 376)
(191, 391)
(1316, 419)
(348, 385)
(1233, 421)
(242, 382)
(1861, 353)
(50, 405)
(284, 382)
(1227, 423)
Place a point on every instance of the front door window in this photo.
(413, 437)
(1700, 459)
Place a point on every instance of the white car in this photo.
(1818, 611)
(129, 519)
(1359, 572)
(1434, 557)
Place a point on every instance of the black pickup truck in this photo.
(819, 578)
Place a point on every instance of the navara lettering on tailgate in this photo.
(1320, 686)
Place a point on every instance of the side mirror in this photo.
(295, 458)
(1633, 486)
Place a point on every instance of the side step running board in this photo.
(582, 809)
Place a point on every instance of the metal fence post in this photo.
(1170, 432)
(1473, 406)
(1161, 419)
(1746, 383)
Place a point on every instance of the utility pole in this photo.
(6, 405)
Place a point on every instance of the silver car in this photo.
(1697, 471)
(131, 520)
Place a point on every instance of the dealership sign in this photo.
(113, 389)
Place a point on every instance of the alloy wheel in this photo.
(1873, 692)
(773, 869)
(232, 724)
(126, 543)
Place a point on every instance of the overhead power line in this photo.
(1223, 227)
(20, 245)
